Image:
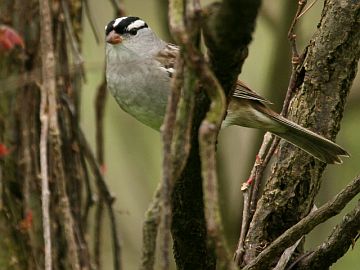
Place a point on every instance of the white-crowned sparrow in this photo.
(139, 66)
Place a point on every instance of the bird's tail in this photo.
(312, 143)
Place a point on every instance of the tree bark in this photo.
(188, 221)
(23, 238)
(329, 67)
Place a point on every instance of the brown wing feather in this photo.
(243, 91)
(167, 56)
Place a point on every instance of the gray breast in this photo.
(139, 86)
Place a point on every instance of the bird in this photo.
(139, 68)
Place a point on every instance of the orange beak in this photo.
(113, 38)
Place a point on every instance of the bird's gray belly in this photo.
(141, 91)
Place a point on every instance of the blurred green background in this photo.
(133, 151)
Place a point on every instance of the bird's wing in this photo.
(243, 91)
(167, 58)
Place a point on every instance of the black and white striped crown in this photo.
(125, 25)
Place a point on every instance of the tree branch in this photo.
(105, 195)
(322, 86)
(179, 117)
(47, 89)
(267, 149)
(188, 225)
(150, 231)
(228, 30)
(100, 105)
(171, 157)
(338, 243)
(289, 237)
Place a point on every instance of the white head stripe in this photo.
(136, 24)
(118, 20)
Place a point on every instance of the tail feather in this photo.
(312, 143)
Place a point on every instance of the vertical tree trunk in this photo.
(22, 243)
(324, 82)
(227, 52)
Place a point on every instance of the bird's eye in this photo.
(133, 32)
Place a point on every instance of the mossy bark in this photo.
(227, 53)
(21, 241)
(324, 81)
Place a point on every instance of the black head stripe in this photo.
(125, 25)
(109, 27)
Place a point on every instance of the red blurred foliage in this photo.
(27, 222)
(9, 38)
(4, 151)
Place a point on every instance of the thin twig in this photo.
(100, 103)
(150, 231)
(259, 172)
(99, 221)
(119, 7)
(48, 73)
(115, 236)
(79, 61)
(339, 241)
(49, 119)
(106, 195)
(45, 192)
(167, 133)
(291, 33)
(184, 117)
(307, 9)
(90, 200)
(288, 253)
(49, 89)
(265, 153)
(286, 256)
(304, 226)
(248, 189)
(240, 250)
(208, 130)
(260, 163)
(103, 190)
(176, 136)
(296, 60)
(168, 165)
(207, 138)
(90, 17)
